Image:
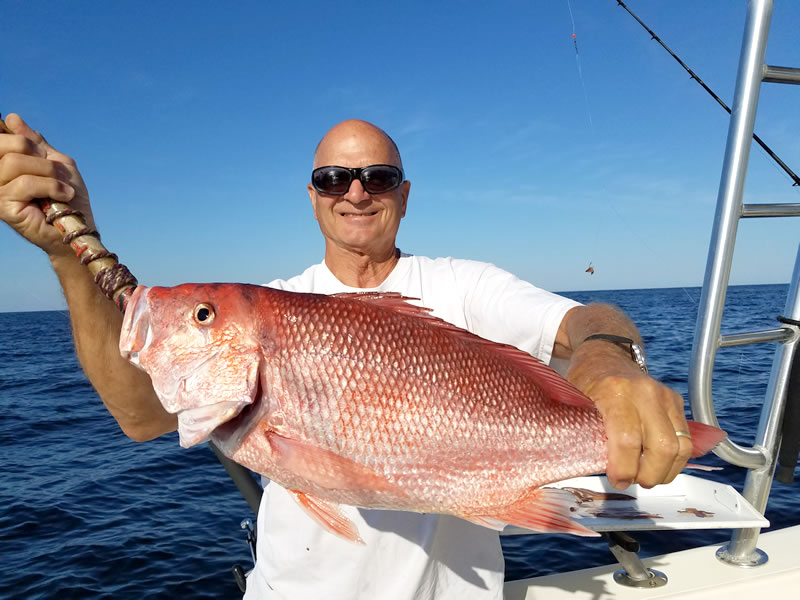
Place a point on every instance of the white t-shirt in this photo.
(406, 556)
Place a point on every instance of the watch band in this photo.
(637, 352)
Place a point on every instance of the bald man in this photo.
(359, 195)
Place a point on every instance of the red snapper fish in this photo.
(367, 400)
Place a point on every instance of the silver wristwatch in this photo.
(637, 352)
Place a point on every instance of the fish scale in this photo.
(367, 400)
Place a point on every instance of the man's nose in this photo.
(356, 192)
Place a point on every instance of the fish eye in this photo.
(204, 314)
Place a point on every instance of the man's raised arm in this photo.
(30, 168)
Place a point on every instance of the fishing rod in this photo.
(694, 76)
(117, 283)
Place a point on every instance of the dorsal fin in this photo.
(392, 301)
(556, 387)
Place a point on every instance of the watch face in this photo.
(637, 354)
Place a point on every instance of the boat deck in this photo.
(692, 574)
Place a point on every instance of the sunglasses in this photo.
(376, 179)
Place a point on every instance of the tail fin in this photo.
(704, 437)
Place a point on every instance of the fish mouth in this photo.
(227, 417)
(229, 435)
(135, 334)
(195, 425)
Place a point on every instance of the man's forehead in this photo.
(356, 145)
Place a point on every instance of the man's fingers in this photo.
(26, 188)
(17, 125)
(11, 143)
(664, 453)
(623, 459)
(684, 452)
(678, 419)
(641, 417)
(624, 434)
(14, 165)
(659, 449)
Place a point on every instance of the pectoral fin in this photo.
(327, 469)
(328, 515)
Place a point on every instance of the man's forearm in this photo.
(595, 359)
(126, 391)
(640, 414)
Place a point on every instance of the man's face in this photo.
(359, 221)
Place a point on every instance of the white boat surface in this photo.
(691, 574)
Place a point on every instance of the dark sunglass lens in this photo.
(331, 180)
(381, 178)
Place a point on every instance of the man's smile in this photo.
(358, 214)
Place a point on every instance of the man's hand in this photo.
(641, 415)
(31, 168)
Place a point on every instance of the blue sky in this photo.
(194, 125)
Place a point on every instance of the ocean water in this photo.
(87, 513)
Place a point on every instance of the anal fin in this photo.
(486, 522)
(546, 510)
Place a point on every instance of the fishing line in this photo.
(738, 376)
(644, 243)
(590, 268)
(580, 69)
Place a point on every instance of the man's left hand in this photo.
(641, 416)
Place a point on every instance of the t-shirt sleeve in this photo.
(503, 308)
(278, 284)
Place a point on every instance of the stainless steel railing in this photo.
(760, 459)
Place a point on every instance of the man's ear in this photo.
(405, 188)
(312, 194)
